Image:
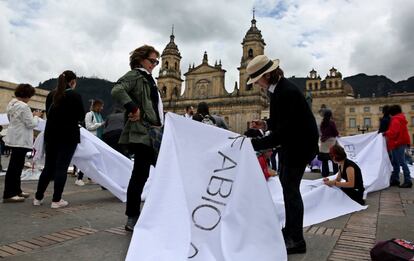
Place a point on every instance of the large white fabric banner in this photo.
(208, 200)
(98, 161)
(369, 151)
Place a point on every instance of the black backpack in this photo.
(393, 250)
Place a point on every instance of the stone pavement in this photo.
(91, 227)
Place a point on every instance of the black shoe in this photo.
(406, 185)
(394, 183)
(131, 221)
(296, 247)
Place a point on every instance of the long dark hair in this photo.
(63, 81)
(327, 116)
(202, 109)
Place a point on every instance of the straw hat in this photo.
(259, 66)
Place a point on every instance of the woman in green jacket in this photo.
(138, 93)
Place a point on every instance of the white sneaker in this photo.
(61, 204)
(37, 202)
(79, 182)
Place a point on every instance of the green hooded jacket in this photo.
(133, 87)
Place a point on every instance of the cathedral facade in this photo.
(205, 82)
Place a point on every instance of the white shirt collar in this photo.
(144, 70)
(272, 88)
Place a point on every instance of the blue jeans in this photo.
(398, 160)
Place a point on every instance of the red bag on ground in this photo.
(393, 250)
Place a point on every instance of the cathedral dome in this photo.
(253, 34)
(171, 48)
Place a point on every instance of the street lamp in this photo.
(363, 129)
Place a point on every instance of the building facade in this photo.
(37, 102)
(205, 82)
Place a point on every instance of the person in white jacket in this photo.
(95, 124)
(20, 139)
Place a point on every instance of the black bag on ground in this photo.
(393, 250)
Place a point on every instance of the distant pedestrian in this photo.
(385, 120)
(114, 125)
(20, 139)
(203, 114)
(293, 128)
(329, 134)
(94, 123)
(189, 112)
(65, 112)
(137, 91)
(398, 139)
(220, 121)
(353, 185)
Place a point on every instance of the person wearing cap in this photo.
(294, 130)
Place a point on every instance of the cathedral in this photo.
(205, 82)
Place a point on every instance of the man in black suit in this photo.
(294, 130)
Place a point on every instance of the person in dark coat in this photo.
(65, 112)
(294, 129)
(385, 120)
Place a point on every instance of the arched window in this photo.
(316, 85)
(166, 65)
(330, 85)
(336, 84)
(175, 92)
(310, 86)
(164, 91)
(176, 66)
(250, 53)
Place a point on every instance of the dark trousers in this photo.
(355, 195)
(58, 158)
(14, 171)
(290, 178)
(325, 165)
(143, 158)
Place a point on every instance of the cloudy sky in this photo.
(41, 38)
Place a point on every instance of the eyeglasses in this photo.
(153, 61)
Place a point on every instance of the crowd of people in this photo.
(135, 128)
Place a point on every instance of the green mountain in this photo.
(89, 88)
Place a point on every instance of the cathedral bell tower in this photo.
(169, 79)
(253, 45)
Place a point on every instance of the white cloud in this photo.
(40, 39)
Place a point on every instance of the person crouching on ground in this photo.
(353, 185)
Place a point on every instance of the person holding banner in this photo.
(293, 128)
(138, 93)
(353, 185)
(20, 139)
(65, 112)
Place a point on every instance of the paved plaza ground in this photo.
(91, 227)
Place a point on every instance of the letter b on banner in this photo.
(221, 186)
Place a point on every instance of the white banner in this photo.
(369, 151)
(208, 200)
(98, 161)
